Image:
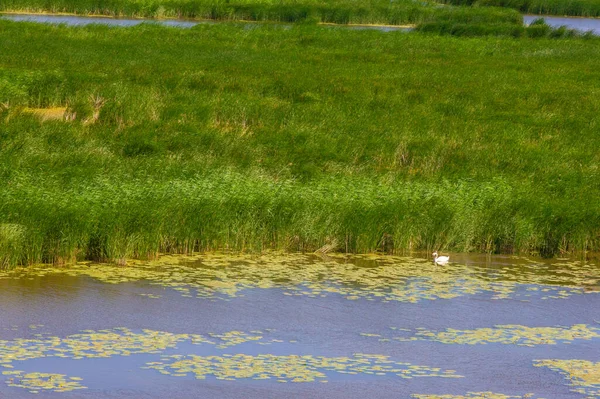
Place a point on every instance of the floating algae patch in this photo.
(290, 368)
(232, 338)
(124, 342)
(152, 296)
(476, 395)
(42, 382)
(500, 334)
(92, 344)
(115, 342)
(368, 277)
(101, 344)
(583, 375)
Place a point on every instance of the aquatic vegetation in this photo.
(153, 296)
(500, 334)
(475, 395)
(534, 30)
(582, 374)
(124, 342)
(292, 368)
(117, 342)
(363, 141)
(42, 382)
(581, 8)
(368, 277)
(232, 338)
(92, 344)
(303, 11)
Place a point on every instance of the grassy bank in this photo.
(397, 12)
(577, 8)
(229, 137)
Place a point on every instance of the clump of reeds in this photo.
(581, 8)
(537, 29)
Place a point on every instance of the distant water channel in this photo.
(125, 22)
(302, 326)
(81, 20)
(580, 24)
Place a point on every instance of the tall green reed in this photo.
(366, 141)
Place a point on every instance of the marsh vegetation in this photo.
(293, 138)
(306, 11)
(581, 8)
(395, 12)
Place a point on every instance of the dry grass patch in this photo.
(49, 114)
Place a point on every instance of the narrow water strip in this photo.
(577, 23)
(75, 20)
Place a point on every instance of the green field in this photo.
(254, 137)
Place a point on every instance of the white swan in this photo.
(440, 260)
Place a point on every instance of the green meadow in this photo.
(255, 137)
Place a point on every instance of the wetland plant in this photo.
(361, 140)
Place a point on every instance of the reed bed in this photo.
(395, 12)
(579, 8)
(225, 137)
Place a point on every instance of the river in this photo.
(302, 326)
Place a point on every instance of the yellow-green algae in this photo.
(510, 334)
(115, 342)
(232, 338)
(153, 296)
(125, 342)
(371, 277)
(289, 368)
(475, 395)
(101, 344)
(584, 375)
(40, 382)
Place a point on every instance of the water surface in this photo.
(218, 326)
(577, 23)
(73, 20)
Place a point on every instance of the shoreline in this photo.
(133, 17)
(559, 16)
(126, 17)
(455, 257)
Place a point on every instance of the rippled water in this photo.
(216, 326)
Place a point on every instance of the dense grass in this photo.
(229, 137)
(536, 29)
(395, 12)
(580, 8)
(392, 12)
